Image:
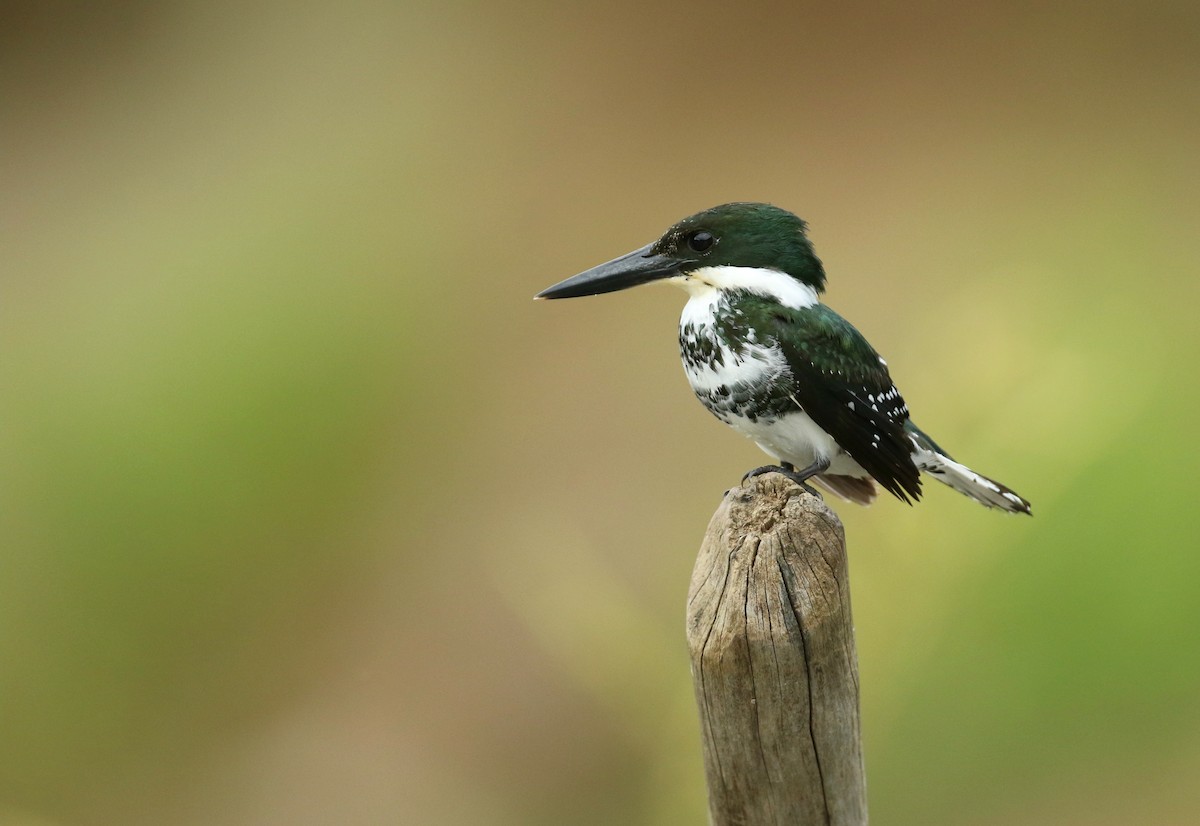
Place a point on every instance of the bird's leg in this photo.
(800, 477)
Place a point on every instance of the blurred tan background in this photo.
(310, 515)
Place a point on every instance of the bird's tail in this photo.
(937, 463)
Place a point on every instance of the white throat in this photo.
(707, 282)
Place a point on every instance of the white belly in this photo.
(798, 440)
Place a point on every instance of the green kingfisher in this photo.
(767, 358)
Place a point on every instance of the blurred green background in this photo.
(310, 515)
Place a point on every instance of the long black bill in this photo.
(638, 267)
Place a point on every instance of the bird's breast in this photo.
(734, 376)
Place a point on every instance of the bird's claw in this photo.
(786, 470)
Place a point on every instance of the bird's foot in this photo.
(786, 469)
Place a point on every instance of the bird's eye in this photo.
(700, 241)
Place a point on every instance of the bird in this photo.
(766, 357)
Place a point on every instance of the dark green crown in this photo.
(745, 235)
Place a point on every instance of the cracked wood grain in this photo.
(773, 662)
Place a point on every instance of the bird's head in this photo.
(732, 245)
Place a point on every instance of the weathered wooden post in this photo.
(773, 662)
